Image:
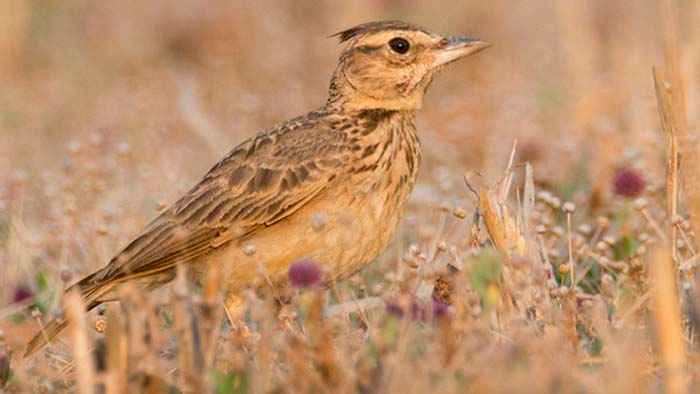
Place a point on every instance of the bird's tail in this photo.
(46, 335)
(91, 292)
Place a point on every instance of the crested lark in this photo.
(351, 164)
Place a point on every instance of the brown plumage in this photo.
(328, 186)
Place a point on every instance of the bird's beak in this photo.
(455, 48)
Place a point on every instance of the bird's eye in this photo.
(399, 45)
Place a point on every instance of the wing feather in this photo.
(262, 181)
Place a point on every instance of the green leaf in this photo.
(595, 348)
(42, 283)
(389, 333)
(461, 379)
(485, 277)
(625, 248)
(591, 282)
(18, 318)
(231, 383)
(167, 317)
(44, 297)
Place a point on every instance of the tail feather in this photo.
(46, 335)
(92, 294)
(95, 289)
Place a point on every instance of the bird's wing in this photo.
(262, 181)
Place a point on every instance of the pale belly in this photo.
(338, 232)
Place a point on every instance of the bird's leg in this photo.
(234, 305)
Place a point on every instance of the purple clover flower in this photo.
(304, 273)
(417, 310)
(22, 293)
(628, 182)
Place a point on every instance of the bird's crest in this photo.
(374, 27)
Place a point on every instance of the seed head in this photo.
(554, 202)
(585, 229)
(640, 203)
(249, 249)
(564, 268)
(318, 221)
(101, 325)
(66, 275)
(569, 207)
(460, 212)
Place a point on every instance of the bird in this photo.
(329, 186)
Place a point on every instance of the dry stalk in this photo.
(667, 321)
(669, 125)
(352, 306)
(211, 314)
(570, 247)
(676, 113)
(139, 354)
(321, 340)
(653, 223)
(84, 366)
(117, 357)
(500, 225)
(508, 174)
(189, 351)
(528, 199)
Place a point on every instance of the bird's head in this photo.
(390, 64)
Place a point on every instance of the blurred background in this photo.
(178, 81)
(113, 109)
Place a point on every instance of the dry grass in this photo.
(562, 273)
